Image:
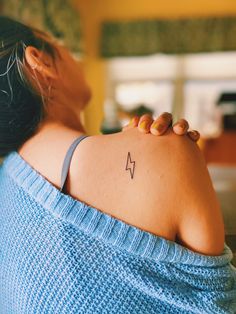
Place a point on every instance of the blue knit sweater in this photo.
(59, 255)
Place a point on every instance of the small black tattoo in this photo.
(130, 165)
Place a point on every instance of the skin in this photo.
(170, 194)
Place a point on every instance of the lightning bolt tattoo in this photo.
(130, 165)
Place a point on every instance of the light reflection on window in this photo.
(154, 95)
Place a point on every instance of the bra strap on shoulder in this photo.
(67, 160)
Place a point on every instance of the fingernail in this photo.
(132, 121)
(157, 126)
(143, 125)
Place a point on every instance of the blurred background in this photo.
(150, 56)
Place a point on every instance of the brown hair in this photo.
(21, 106)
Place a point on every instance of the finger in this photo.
(194, 135)
(161, 124)
(145, 123)
(181, 127)
(134, 121)
(132, 124)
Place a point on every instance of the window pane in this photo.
(154, 95)
(200, 107)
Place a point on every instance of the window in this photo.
(187, 85)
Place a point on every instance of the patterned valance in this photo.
(58, 17)
(174, 36)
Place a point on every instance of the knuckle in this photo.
(163, 120)
(185, 122)
(167, 115)
(196, 133)
(146, 116)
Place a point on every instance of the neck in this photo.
(71, 124)
(62, 123)
(64, 114)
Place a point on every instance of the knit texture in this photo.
(60, 255)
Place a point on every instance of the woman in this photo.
(135, 227)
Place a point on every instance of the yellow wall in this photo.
(93, 12)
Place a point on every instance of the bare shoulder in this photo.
(167, 191)
(192, 199)
(176, 178)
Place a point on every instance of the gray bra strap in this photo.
(67, 161)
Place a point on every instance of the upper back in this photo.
(167, 191)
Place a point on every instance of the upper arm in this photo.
(200, 224)
(186, 191)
